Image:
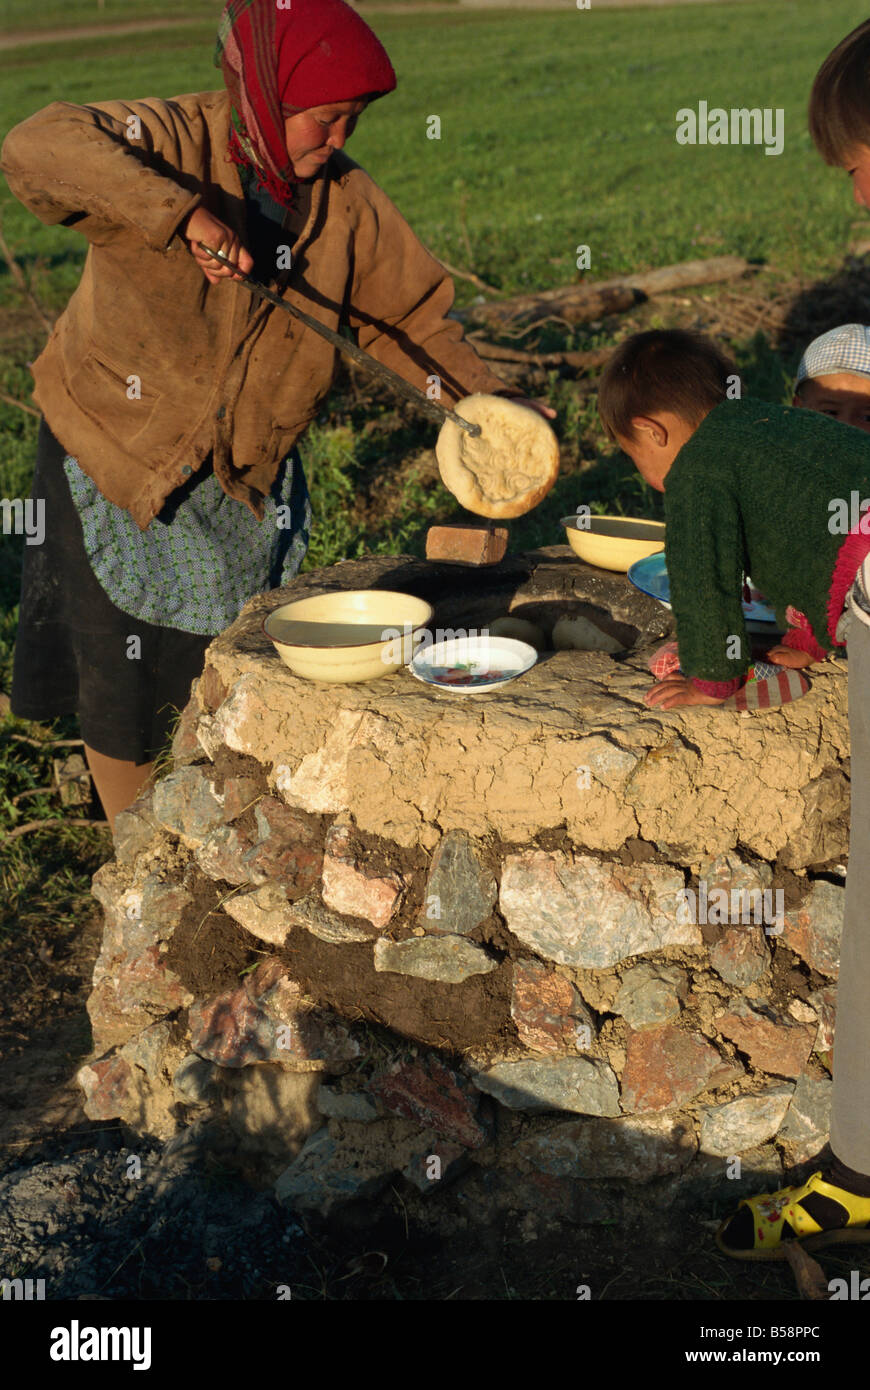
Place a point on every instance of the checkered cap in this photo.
(844, 349)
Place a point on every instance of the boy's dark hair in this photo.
(663, 369)
(839, 112)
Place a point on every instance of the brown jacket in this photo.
(218, 369)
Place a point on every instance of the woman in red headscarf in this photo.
(166, 472)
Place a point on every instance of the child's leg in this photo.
(850, 1115)
(117, 782)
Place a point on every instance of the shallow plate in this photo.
(471, 665)
(651, 577)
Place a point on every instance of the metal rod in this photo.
(398, 383)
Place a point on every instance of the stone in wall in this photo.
(447, 959)
(808, 1119)
(439, 1098)
(813, 930)
(268, 1019)
(773, 1042)
(188, 803)
(582, 912)
(587, 1086)
(549, 1012)
(353, 888)
(744, 1123)
(460, 891)
(651, 994)
(665, 1067)
(636, 1148)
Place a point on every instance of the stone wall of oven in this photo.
(369, 935)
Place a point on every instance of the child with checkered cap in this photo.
(834, 375)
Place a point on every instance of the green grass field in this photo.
(557, 128)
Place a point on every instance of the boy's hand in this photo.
(201, 225)
(789, 656)
(677, 690)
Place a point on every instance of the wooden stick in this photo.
(467, 275)
(34, 791)
(10, 400)
(49, 742)
(18, 276)
(583, 302)
(52, 825)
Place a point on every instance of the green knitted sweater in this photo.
(754, 491)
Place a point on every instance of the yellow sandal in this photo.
(770, 1210)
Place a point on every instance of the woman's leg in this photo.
(118, 783)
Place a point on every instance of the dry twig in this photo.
(18, 276)
(32, 825)
(10, 400)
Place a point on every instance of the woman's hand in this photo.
(677, 690)
(201, 225)
(789, 656)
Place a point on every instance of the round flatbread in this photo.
(508, 468)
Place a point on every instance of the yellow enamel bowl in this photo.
(353, 635)
(613, 542)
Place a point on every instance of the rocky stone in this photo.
(185, 744)
(187, 803)
(347, 1105)
(449, 959)
(129, 993)
(196, 1081)
(802, 1011)
(351, 888)
(435, 1163)
(665, 1067)
(808, 1119)
(744, 1123)
(650, 994)
(813, 929)
(264, 912)
(772, 1041)
(105, 1083)
(288, 850)
(211, 690)
(270, 1112)
(585, 1086)
(238, 794)
(586, 913)
(221, 856)
(269, 1020)
(824, 1001)
(460, 891)
(135, 830)
(549, 1013)
(741, 955)
(434, 1094)
(729, 871)
(310, 913)
(149, 1049)
(634, 1148)
(322, 1176)
(232, 1030)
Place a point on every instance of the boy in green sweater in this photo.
(775, 492)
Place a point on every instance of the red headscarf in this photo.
(307, 53)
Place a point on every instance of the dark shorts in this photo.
(72, 642)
